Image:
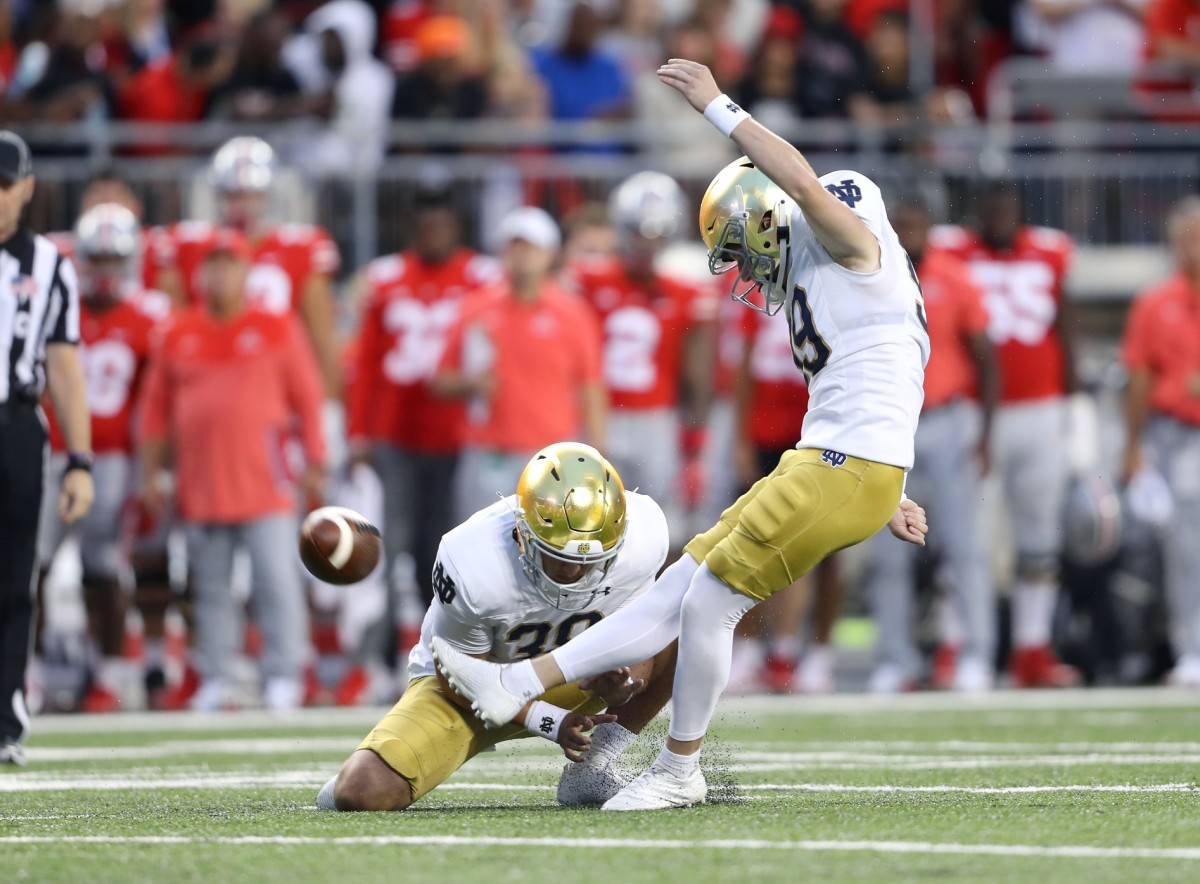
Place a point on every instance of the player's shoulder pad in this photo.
(1050, 239)
(647, 537)
(481, 551)
(153, 304)
(484, 270)
(853, 188)
(948, 236)
(386, 269)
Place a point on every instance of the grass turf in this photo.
(234, 795)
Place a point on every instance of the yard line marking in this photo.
(1020, 850)
(1100, 699)
(315, 777)
(967, 790)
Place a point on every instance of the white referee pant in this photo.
(945, 480)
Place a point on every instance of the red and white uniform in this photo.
(114, 347)
(284, 258)
(1022, 290)
(779, 393)
(644, 331)
(410, 308)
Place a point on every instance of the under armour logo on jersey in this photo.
(833, 458)
(547, 725)
(848, 192)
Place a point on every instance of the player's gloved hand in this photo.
(615, 688)
(693, 478)
(908, 522)
(572, 737)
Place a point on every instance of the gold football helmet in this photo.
(570, 519)
(744, 221)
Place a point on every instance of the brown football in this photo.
(338, 545)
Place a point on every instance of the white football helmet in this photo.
(243, 165)
(647, 206)
(108, 243)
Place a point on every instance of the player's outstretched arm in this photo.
(909, 523)
(843, 234)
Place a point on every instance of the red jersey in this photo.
(1022, 289)
(284, 258)
(954, 310)
(1163, 338)
(644, 330)
(114, 345)
(779, 393)
(541, 354)
(64, 241)
(410, 308)
(226, 394)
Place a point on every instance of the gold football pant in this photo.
(810, 506)
(425, 737)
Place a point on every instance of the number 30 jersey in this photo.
(484, 603)
(860, 338)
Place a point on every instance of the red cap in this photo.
(231, 242)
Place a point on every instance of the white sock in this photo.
(708, 618)
(635, 633)
(325, 796)
(819, 658)
(154, 652)
(608, 742)
(522, 680)
(1033, 612)
(679, 765)
(950, 624)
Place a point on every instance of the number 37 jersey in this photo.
(860, 338)
(484, 603)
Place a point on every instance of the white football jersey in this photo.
(860, 338)
(484, 603)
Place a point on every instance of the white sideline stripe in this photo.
(1020, 850)
(731, 708)
(883, 762)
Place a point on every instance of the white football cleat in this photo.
(658, 789)
(478, 681)
(973, 675)
(588, 785)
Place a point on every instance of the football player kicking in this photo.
(526, 574)
(822, 250)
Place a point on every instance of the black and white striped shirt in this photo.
(39, 305)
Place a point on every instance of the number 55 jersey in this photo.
(485, 604)
(860, 338)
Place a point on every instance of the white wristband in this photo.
(724, 113)
(544, 720)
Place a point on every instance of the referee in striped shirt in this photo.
(39, 328)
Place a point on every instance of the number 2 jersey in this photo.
(484, 603)
(860, 338)
(1023, 288)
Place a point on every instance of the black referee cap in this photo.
(15, 161)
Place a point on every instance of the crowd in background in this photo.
(352, 66)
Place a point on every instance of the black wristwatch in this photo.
(78, 460)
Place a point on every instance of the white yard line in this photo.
(842, 704)
(315, 777)
(907, 847)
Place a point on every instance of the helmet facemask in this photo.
(575, 596)
(759, 272)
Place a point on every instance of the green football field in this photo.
(1046, 787)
